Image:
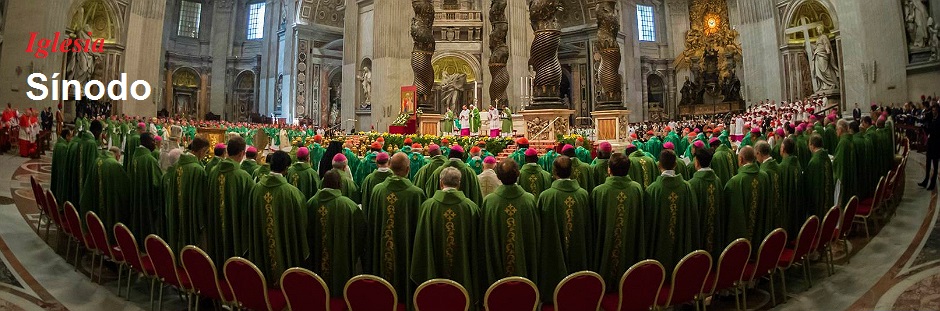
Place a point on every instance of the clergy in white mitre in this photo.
(495, 121)
(464, 121)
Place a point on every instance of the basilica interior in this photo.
(335, 63)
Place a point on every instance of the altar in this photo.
(213, 135)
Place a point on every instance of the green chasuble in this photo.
(818, 186)
(581, 172)
(791, 197)
(130, 144)
(547, 160)
(87, 159)
(621, 230)
(366, 167)
(845, 169)
(476, 164)
(228, 211)
(185, 202)
(511, 229)
(447, 125)
(304, 177)
(654, 146)
(746, 195)
(533, 179)
(709, 194)
(336, 231)
(368, 184)
(725, 164)
(475, 121)
(864, 157)
(643, 169)
(146, 193)
(802, 150)
(212, 163)
(674, 220)
(392, 225)
(774, 207)
(598, 172)
(352, 160)
(682, 169)
(673, 138)
(417, 162)
(421, 177)
(106, 191)
(506, 125)
(447, 242)
(583, 154)
(348, 188)
(60, 182)
(830, 140)
(316, 154)
(747, 140)
(249, 165)
(469, 184)
(261, 172)
(519, 156)
(277, 228)
(567, 244)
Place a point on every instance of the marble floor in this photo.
(898, 269)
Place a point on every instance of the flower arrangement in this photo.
(572, 139)
(494, 145)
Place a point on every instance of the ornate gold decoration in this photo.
(269, 231)
(222, 200)
(710, 33)
(324, 250)
(449, 215)
(618, 235)
(452, 65)
(752, 216)
(389, 236)
(673, 197)
(96, 15)
(510, 240)
(186, 78)
(569, 221)
(710, 218)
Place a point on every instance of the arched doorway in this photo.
(811, 52)
(656, 97)
(186, 83)
(244, 96)
(333, 115)
(456, 81)
(96, 21)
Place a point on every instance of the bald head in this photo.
(747, 155)
(400, 164)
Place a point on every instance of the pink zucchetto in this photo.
(755, 130)
(252, 149)
(831, 117)
(489, 160)
(566, 147)
(780, 132)
(303, 152)
(141, 125)
(714, 140)
(339, 158)
(531, 152)
(669, 145)
(433, 147)
(158, 138)
(382, 157)
(457, 148)
(605, 147)
(698, 144)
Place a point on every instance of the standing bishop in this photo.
(567, 235)
(228, 212)
(621, 230)
(511, 226)
(336, 230)
(276, 223)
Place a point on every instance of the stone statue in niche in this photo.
(915, 20)
(824, 69)
(451, 85)
(933, 39)
(365, 78)
(80, 65)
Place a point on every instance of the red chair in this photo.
(582, 290)
(101, 245)
(54, 216)
(868, 207)
(164, 262)
(202, 273)
(688, 279)
(306, 291)
(511, 294)
(639, 288)
(730, 272)
(74, 231)
(249, 287)
(441, 295)
(766, 262)
(827, 235)
(132, 256)
(790, 256)
(371, 293)
(40, 198)
(845, 226)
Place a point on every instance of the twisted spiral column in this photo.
(609, 94)
(544, 60)
(499, 53)
(422, 33)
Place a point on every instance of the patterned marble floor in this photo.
(899, 269)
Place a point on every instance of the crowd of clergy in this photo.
(439, 211)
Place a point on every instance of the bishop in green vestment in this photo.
(567, 244)
(532, 178)
(818, 181)
(336, 232)
(277, 223)
(845, 165)
(644, 168)
(316, 153)
(710, 201)
(599, 165)
(367, 166)
(469, 184)
(865, 159)
(548, 159)
(348, 187)
(511, 228)
(747, 195)
(219, 154)
(417, 162)
(654, 146)
(674, 219)
(131, 142)
(448, 237)
(146, 189)
(375, 178)
(436, 160)
(391, 227)
(84, 158)
(228, 212)
(475, 120)
(302, 175)
(106, 191)
(583, 153)
(724, 162)
(792, 197)
(249, 164)
(60, 183)
(774, 207)
(619, 215)
(580, 171)
(186, 198)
